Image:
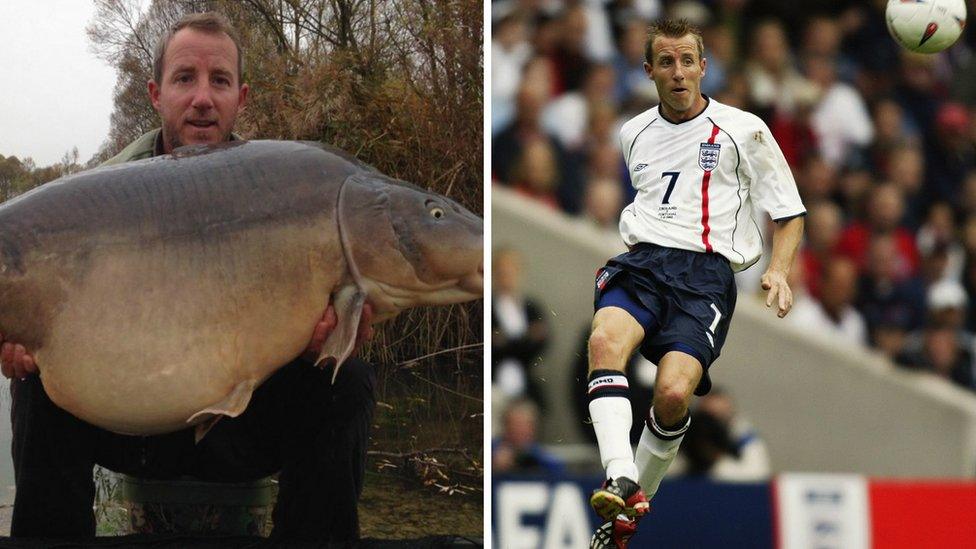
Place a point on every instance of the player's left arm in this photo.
(775, 191)
(786, 239)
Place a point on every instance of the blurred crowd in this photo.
(882, 144)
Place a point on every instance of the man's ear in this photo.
(153, 88)
(242, 97)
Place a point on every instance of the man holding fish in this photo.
(297, 423)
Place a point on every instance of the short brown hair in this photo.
(672, 28)
(209, 22)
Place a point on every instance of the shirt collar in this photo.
(660, 112)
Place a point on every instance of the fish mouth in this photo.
(385, 296)
(474, 282)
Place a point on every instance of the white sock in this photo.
(612, 417)
(655, 452)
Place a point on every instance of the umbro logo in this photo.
(639, 167)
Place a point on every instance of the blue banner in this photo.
(553, 512)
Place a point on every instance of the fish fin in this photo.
(348, 304)
(203, 428)
(235, 403)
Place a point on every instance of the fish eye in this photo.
(436, 212)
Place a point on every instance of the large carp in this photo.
(160, 293)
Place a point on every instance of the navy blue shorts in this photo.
(683, 299)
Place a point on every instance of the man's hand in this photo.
(774, 282)
(328, 323)
(14, 360)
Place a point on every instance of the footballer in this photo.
(701, 169)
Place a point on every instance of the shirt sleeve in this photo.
(773, 188)
(625, 143)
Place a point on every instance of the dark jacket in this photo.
(148, 145)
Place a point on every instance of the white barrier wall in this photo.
(819, 405)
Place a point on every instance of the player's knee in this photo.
(606, 350)
(671, 400)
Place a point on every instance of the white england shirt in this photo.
(698, 181)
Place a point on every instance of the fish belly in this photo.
(155, 332)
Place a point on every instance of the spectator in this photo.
(768, 67)
(818, 180)
(891, 132)
(834, 314)
(869, 46)
(887, 297)
(947, 301)
(942, 255)
(794, 130)
(944, 355)
(706, 443)
(634, 91)
(622, 13)
(599, 36)
(517, 450)
(569, 56)
(917, 91)
(890, 336)
(536, 173)
(840, 119)
(736, 91)
(603, 203)
(722, 445)
(603, 128)
(692, 11)
(538, 74)
(721, 53)
(822, 39)
(519, 331)
(525, 127)
(545, 42)
(906, 170)
(950, 155)
(750, 461)
(886, 207)
(510, 51)
(776, 86)
(566, 117)
(604, 162)
(824, 224)
(854, 187)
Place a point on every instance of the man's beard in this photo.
(171, 137)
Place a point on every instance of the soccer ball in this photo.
(926, 26)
